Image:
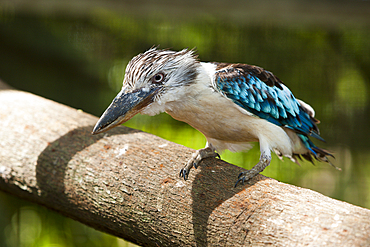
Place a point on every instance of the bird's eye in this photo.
(158, 78)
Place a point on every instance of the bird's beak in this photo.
(123, 107)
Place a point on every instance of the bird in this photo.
(231, 104)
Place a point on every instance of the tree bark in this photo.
(125, 182)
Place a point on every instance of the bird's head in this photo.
(152, 79)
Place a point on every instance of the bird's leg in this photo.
(259, 167)
(197, 157)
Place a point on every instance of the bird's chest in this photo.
(215, 116)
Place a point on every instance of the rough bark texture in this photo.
(126, 183)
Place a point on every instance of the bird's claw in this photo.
(259, 167)
(241, 179)
(195, 165)
(245, 176)
(197, 157)
(184, 173)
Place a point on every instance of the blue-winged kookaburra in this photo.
(231, 104)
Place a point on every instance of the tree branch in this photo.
(126, 183)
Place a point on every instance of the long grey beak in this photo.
(123, 107)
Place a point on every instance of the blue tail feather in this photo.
(316, 152)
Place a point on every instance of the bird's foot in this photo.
(196, 159)
(261, 165)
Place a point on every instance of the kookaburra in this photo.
(231, 104)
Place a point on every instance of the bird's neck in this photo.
(206, 73)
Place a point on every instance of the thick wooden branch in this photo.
(126, 183)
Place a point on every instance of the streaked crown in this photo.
(160, 67)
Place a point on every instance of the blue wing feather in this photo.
(264, 95)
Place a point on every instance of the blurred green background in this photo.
(75, 52)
